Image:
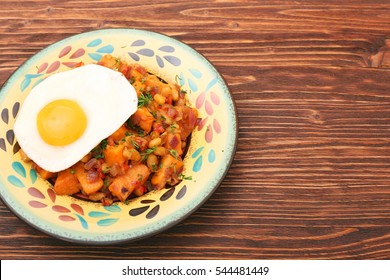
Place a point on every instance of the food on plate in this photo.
(136, 145)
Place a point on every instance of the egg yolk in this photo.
(61, 122)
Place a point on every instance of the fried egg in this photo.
(69, 113)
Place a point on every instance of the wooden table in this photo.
(311, 175)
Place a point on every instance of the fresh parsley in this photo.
(174, 153)
(97, 152)
(135, 144)
(148, 152)
(184, 177)
(144, 99)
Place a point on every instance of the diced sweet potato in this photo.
(67, 183)
(44, 174)
(139, 190)
(114, 154)
(125, 69)
(170, 168)
(188, 121)
(140, 69)
(123, 185)
(174, 143)
(139, 87)
(137, 73)
(153, 81)
(90, 181)
(108, 61)
(143, 118)
(119, 134)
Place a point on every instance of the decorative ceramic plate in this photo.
(209, 156)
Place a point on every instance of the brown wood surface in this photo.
(311, 175)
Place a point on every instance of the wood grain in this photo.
(310, 179)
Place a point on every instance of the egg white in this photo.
(105, 95)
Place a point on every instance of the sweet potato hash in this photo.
(145, 153)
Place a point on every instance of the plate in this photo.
(207, 161)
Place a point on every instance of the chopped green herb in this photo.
(173, 153)
(174, 168)
(135, 127)
(153, 113)
(148, 152)
(144, 99)
(177, 79)
(106, 182)
(97, 152)
(106, 170)
(154, 167)
(135, 145)
(184, 177)
(103, 144)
